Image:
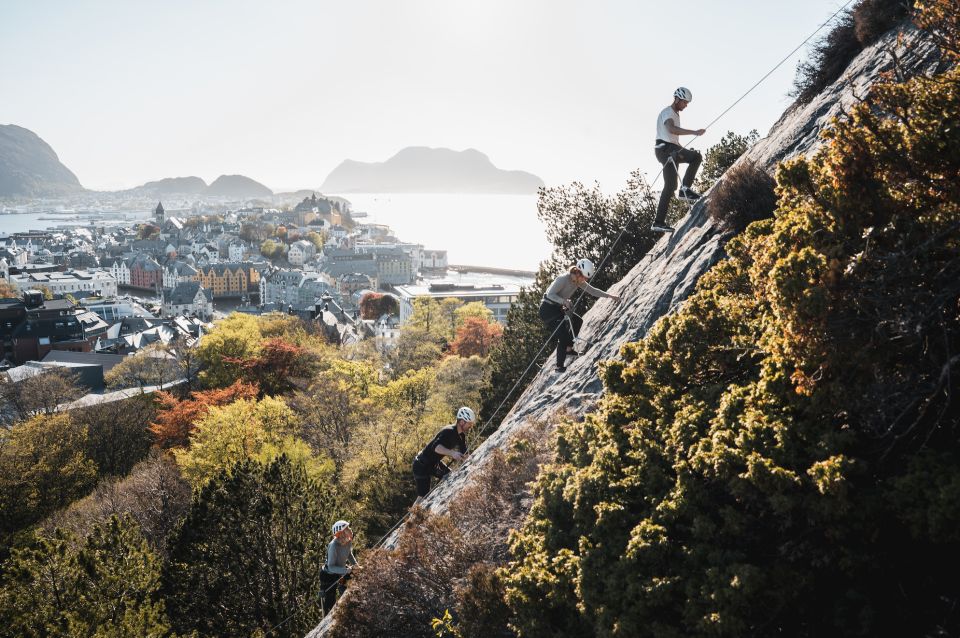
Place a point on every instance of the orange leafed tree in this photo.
(476, 336)
(277, 368)
(175, 418)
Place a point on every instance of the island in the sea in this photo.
(419, 169)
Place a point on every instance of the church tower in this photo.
(158, 214)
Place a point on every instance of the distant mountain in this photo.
(419, 169)
(30, 168)
(176, 186)
(237, 186)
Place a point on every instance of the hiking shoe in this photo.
(688, 194)
(661, 228)
(561, 368)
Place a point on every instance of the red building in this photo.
(146, 273)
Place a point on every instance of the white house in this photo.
(236, 251)
(210, 252)
(120, 270)
(177, 272)
(433, 260)
(301, 252)
(188, 298)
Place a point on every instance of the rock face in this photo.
(237, 186)
(419, 169)
(667, 276)
(176, 186)
(30, 168)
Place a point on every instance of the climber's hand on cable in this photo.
(701, 131)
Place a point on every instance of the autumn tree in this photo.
(7, 291)
(277, 368)
(147, 231)
(236, 338)
(317, 239)
(43, 467)
(374, 305)
(335, 406)
(476, 336)
(249, 552)
(260, 430)
(176, 418)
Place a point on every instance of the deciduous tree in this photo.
(476, 336)
(176, 418)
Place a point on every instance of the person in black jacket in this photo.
(450, 441)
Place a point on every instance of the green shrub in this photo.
(781, 456)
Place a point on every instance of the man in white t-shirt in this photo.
(670, 153)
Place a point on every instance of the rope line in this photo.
(580, 294)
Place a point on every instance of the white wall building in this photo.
(177, 272)
(301, 252)
(188, 298)
(100, 281)
(120, 270)
(433, 260)
(497, 297)
(237, 251)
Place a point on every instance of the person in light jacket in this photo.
(340, 560)
(557, 304)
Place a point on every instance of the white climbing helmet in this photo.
(339, 526)
(586, 267)
(683, 93)
(466, 414)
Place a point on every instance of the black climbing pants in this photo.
(423, 474)
(553, 317)
(664, 151)
(330, 586)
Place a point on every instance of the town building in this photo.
(293, 289)
(301, 252)
(99, 281)
(433, 261)
(353, 282)
(230, 279)
(188, 298)
(176, 272)
(497, 297)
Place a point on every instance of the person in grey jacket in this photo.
(558, 301)
(340, 559)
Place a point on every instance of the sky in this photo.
(132, 91)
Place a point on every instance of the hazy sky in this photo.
(131, 91)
